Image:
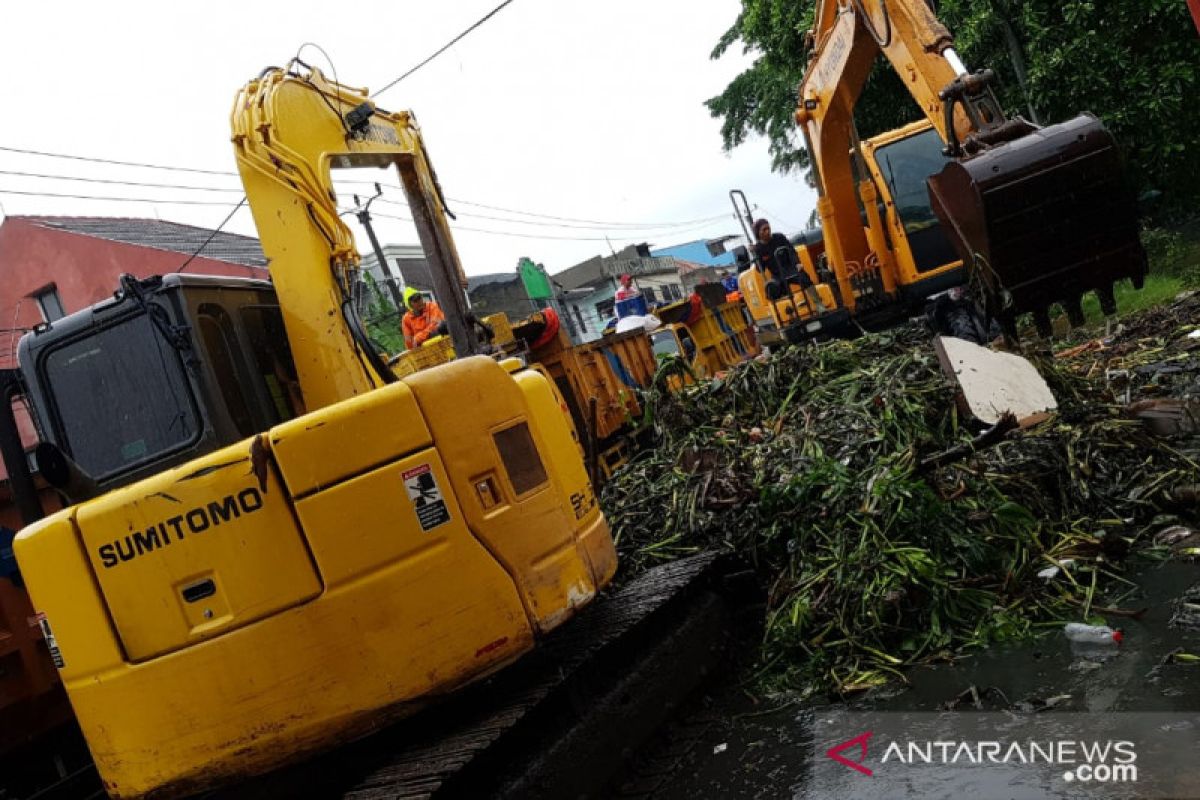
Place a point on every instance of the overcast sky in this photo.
(591, 112)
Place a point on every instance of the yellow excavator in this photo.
(275, 545)
(1030, 216)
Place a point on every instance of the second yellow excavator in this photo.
(1030, 216)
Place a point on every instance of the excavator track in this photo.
(565, 719)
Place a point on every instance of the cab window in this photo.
(120, 397)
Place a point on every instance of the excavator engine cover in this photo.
(1043, 219)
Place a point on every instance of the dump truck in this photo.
(708, 332)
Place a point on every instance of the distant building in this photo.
(407, 265)
(499, 292)
(692, 274)
(517, 294)
(53, 266)
(584, 293)
(705, 252)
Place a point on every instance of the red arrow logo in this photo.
(861, 740)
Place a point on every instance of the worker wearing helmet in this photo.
(422, 319)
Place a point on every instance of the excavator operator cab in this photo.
(909, 242)
(191, 363)
(905, 164)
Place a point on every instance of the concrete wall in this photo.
(507, 296)
(583, 309)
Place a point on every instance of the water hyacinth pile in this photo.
(818, 466)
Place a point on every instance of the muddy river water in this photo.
(742, 748)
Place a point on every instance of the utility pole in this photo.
(363, 212)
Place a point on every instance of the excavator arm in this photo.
(291, 128)
(1039, 215)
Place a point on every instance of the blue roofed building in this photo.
(706, 252)
(703, 260)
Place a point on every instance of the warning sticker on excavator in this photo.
(51, 642)
(426, 497)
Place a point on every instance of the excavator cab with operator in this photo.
(788, 316)
(276, 545)
(1038, 216)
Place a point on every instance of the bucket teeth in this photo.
(1074, 308)
(1043, 218)
(1108, 303)
(1041, 318)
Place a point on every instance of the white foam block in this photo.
(992, 382)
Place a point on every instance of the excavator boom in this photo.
(290, 129)
(1038, 215)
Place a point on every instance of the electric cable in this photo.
(443, 48)
(112, 161)
(639, 237)
(348, 181)
(115, 199)
(215, 231)
(649, 226)
(590, 221)
(113, 181)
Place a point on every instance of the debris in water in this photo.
(1187, 610)
(809, 465)
(1092, 634)
(1049, 573)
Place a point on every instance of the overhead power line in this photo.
(113, 161)
(212, 235)
(444, 47)
(612, 229)
(608, 226)
(590, 221)
(347, 181)
(641, 237)
(117, 199)
(116, 182)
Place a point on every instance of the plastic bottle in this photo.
(1092, 634)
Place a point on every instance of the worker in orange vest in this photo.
(422, 319)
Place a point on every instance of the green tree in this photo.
(1133, 63)
(382, 319)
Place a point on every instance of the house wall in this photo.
(705, 274)
(666, 287)
(583, 309)
(406, 263)
(83, 269)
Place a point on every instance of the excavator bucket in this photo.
(1043, 219)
